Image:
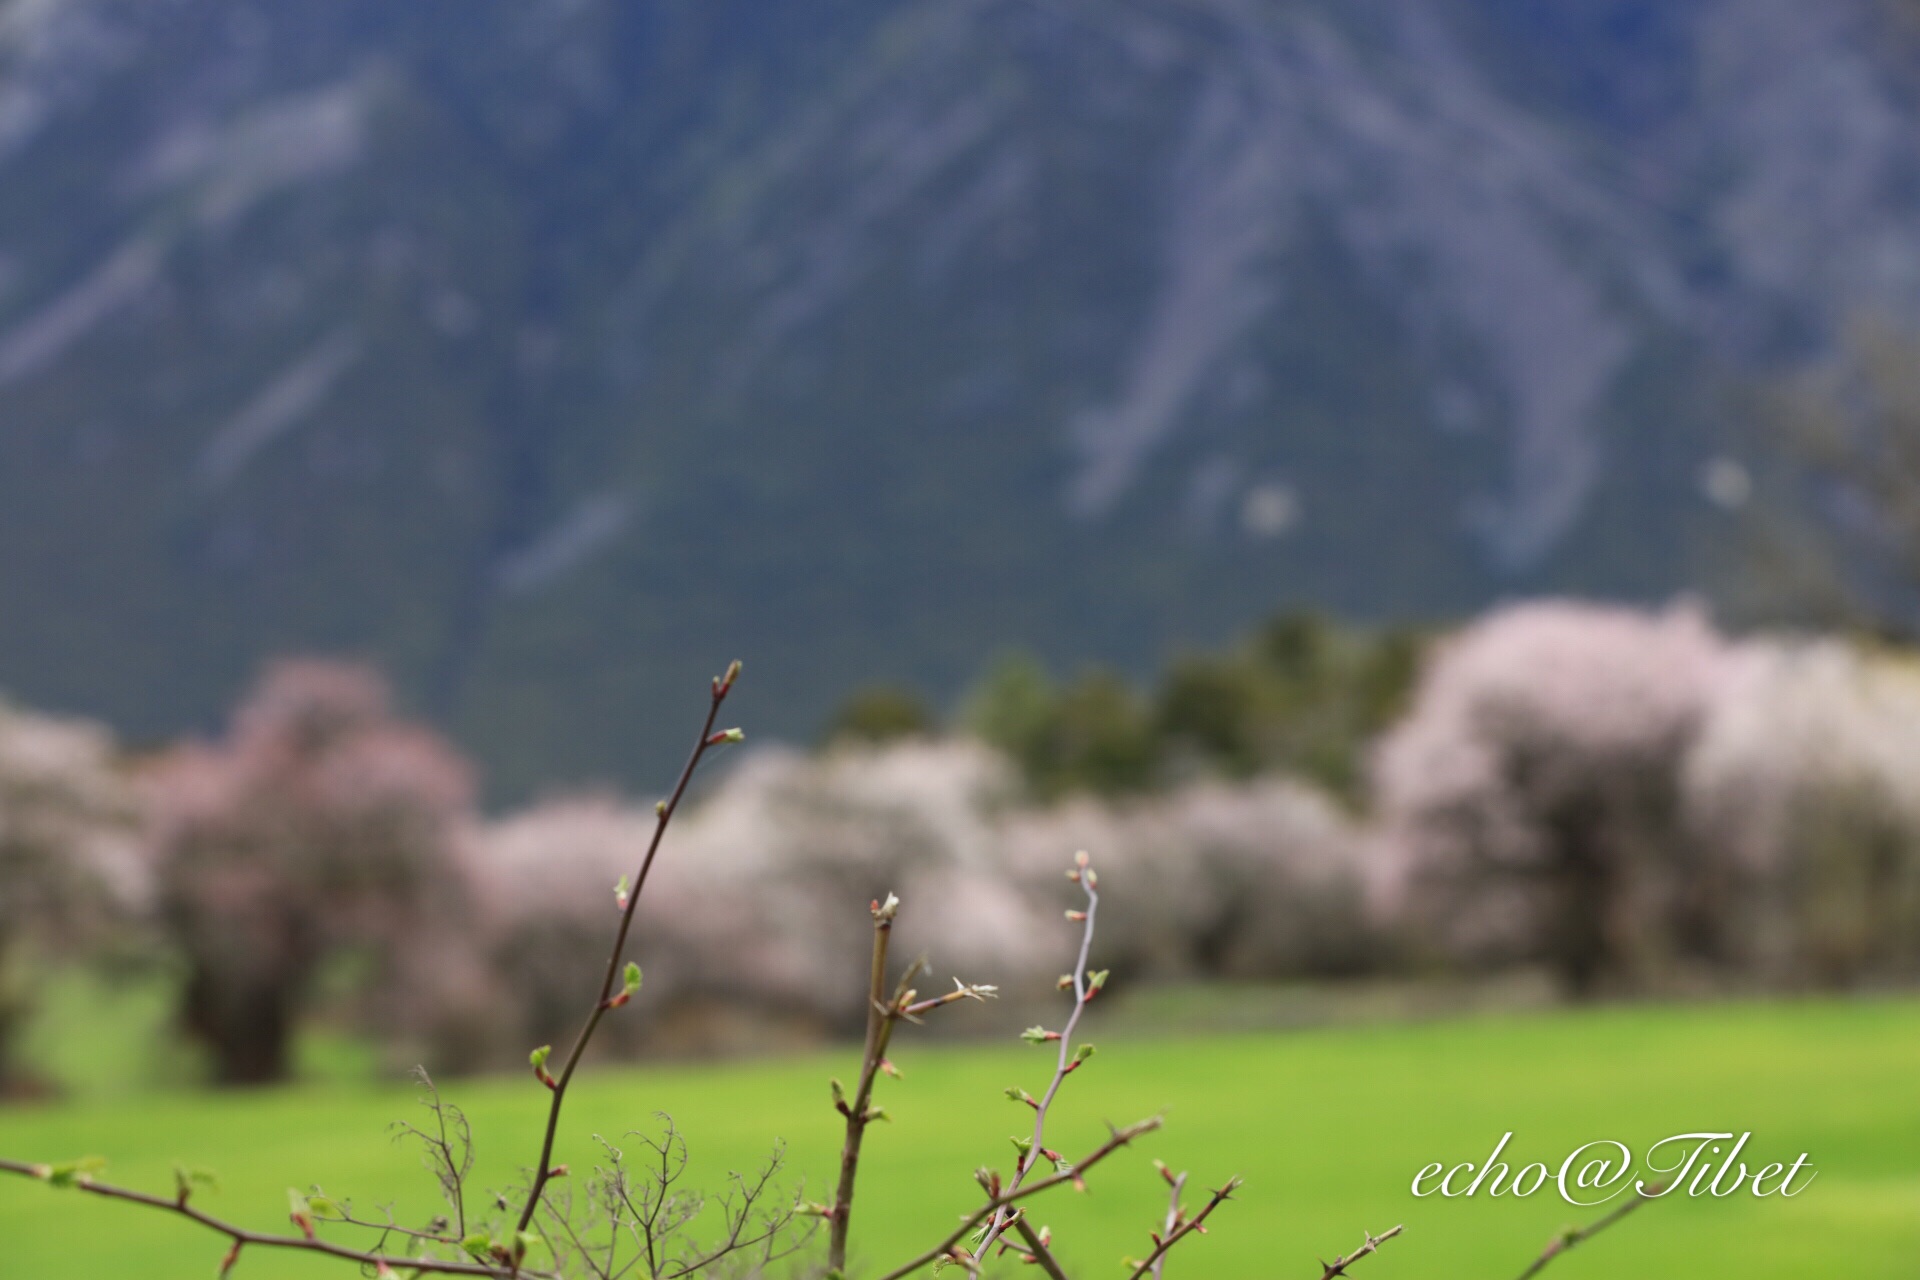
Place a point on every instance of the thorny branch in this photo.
(1179, 1184)
(1569, 1238)
(1183, 1229)
(1338, 1267)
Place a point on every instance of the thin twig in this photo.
(708, 739)
(241, 1236)
(1066, 1063)
(1571, 1237)
(449, 1168)
(1338, 1267)
(1185, 1229)
(945, 1249)
(394, 1228)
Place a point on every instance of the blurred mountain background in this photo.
(551, 353)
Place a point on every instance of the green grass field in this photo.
(1328, 1127)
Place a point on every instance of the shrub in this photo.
(881, 713)
(1091, 735)
(1301, 695)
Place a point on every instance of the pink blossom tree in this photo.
(321, 824)
(65, 834)
(1807, 783)
(1530, 798)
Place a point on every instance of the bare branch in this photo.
(447, 1150)
(1338, 1267)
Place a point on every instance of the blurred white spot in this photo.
(1269, 510)
(1726, 483)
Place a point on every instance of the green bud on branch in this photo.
(630, 984)
(186, 1180)
(71, 1173)
(299, 1213)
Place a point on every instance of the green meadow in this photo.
(1327, 1126)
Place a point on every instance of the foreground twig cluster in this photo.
(631, 1216)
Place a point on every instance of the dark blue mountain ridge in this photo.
(552, 353)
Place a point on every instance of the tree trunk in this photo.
(247, 1026)
(1583, 886)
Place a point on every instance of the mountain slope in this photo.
(552, 353)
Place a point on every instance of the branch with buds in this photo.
(1001, 1199)
(1068, 1059)
(1004, 1210)
(663, 815)
(79, 1175)
(1179, 1227)
(884, 1011)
